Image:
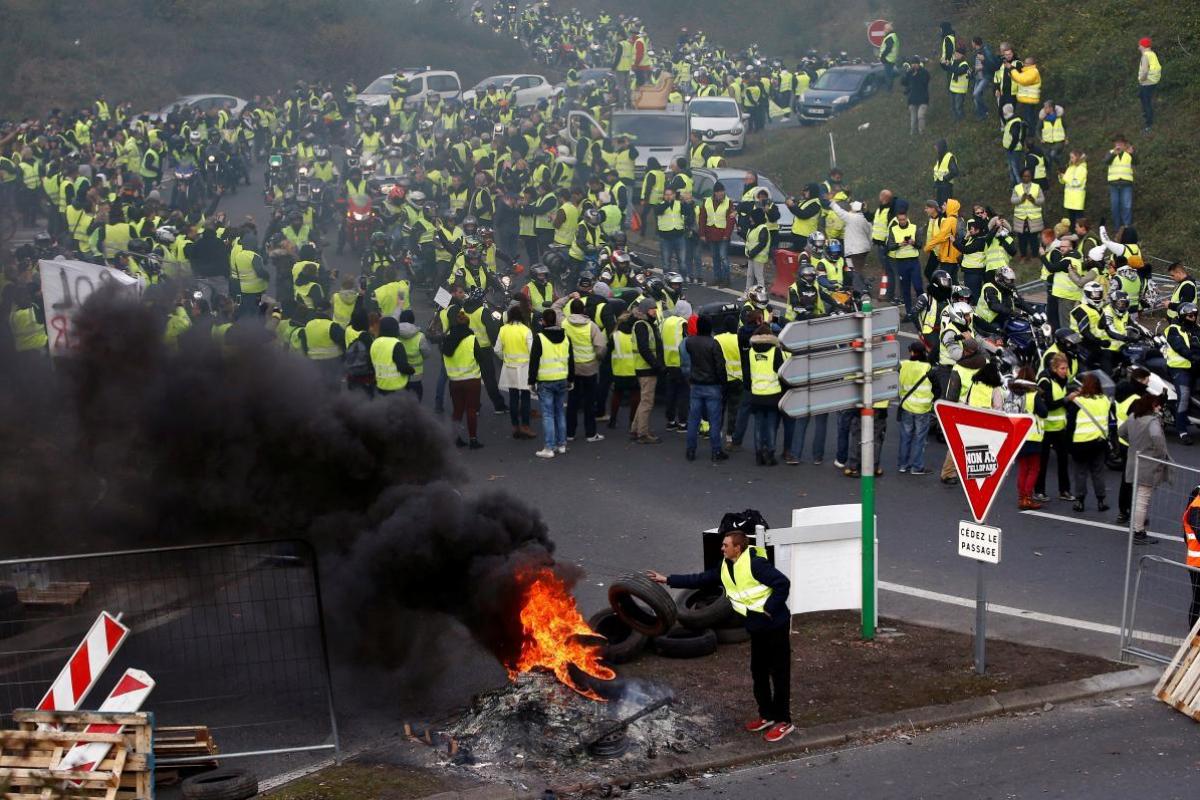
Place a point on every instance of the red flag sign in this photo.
(984, 444)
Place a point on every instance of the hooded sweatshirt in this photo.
(599, 344)
(941, 244)
(407, 331)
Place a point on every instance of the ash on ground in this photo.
(536, 725)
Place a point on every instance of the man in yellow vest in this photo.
(917, 393)
(758, 592)
(1182, 353)
(1149, 74)
(1121, 161)
(551, 373)
(889, 54)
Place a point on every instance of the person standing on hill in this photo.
(916, 86)
(1149, 74)
(889, 54)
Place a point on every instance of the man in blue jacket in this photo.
(759, 593)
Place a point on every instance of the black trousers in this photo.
(771, 671)
(1058, 442)
(582, 398)
(1194, 611)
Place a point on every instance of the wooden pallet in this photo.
(1179, 687)
(60, 593)
(135, 778)
(28, 762)
(179, 742)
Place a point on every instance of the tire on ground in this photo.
(704, 608)
(623, 595)
(220, 784)
(624, 643)
(683, 643)
(732, 635)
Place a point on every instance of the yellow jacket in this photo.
(942, 242)
(1029, 77)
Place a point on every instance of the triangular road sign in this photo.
(984, 443)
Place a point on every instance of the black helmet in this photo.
(586, 280)
(617, 239)
(1119, 300)
(1067, 340)
(808, 274)
(1188, 311)
(941, 279)
(540, 271)
(1006, 278)
(378, 238)
(591, 216)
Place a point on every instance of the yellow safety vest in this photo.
(638, 361)
(672, 333)
(28, 334)
(321, 346)
(1053, 132)
(966, 378)
(672, 218)
(1121, 168)
(806, 227)
(745, 593)
(1028, 209)
(1074, 181)
(914, 373)
(1122, 413)
(391, 296)
(1094, 427)
(514, 337)
(733, 355)
(716, 216)
(764, 378)
(879, 225)
(552, 366)
(1030, 401)
(461, 365)
(623, 355)
(900, 233)
(248, 279)
(1176, 360)
(1056, 420)
(580, 336)
(388, 376)
(942, 168)
(565, 233)
(980, 395)
(1154, 72)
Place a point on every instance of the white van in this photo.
(421, 83)
(659, 134)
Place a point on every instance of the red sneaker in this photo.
(756, 725)
(779, 731)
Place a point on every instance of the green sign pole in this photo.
(868, 481)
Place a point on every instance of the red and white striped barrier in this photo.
(86, 664)
(127, 696)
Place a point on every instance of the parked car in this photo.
(719, 119)
(421, 82)
(528, 90)
(658, 134)
(204, 102)
(734, 181)
(839, 88)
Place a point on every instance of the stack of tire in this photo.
(643, 614)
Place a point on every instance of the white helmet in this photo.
(194, 137)
(758, 293)
(1093, 294)
(416, 198)
(563, 151)
(166, 234)
(960, 314)
(816, 239)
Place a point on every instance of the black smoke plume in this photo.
(125, 445)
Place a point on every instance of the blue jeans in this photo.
(914, 430)
(978, 93)
(1146, 95)
(843, 434)
(1182, 378)
(1120, 200)
(705, 401)
(957, 101)
(552, 397)
(672, 250)
(720, 260)
(820, 426)
(693, 267)
(973, 280)
(1016, 163)
(742, 420)
(766, 419)
(908, 270)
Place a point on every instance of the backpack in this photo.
(358, 359)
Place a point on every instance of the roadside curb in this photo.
(736, 754)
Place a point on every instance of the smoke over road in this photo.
(124, 446)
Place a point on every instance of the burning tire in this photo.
(220, 784)
(732, 635)
(643, 604)
(624, 643)
(704, 608)
(684, 643)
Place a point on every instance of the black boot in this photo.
(760, 457)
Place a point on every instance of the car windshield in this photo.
(651, 130)
(838, 81)
(713, 108)
(735, 187)
(498, 81)
(381, 85)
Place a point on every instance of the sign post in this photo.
(839, 365)
(984, 444)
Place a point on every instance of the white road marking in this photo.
(1092, 524)
(1020, 613)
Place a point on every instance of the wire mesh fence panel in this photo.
(232, 634)
(1162, 595)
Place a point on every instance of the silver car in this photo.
(734, 181)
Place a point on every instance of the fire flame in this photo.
(556, 635)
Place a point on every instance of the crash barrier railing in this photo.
(1160, 587)
(233, 635)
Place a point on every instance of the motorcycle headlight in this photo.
(303, 171)
(359, 217)
(349, 151)
(212, 159)
(275, 161)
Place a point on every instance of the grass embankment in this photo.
(61, 53)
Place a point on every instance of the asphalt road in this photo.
(614, 506)
(1105, 749)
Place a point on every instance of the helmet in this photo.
(758, 294)
(397, 193)
(379, 237)
(1126, 272)
(1188, 311)
(960, 314)
(194, 137)
(1067, 340)
(591, 216)
(655, 288)
(834, 248)
(540, 271)
(618, 239)
(139, 246)
(940, 278)
(1093, 294)
(469, 224)
(416, 198)
(166, 234)
(960, 294)
(1007, 279)
(586, 280)
(1119, 300)
(473, 254)
(621, 257)
(808, 274)
(606, 275)
(485, 234)
(817, 240)
(42, 239)
(321, 152)
(674, 280)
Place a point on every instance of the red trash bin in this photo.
(786, 264)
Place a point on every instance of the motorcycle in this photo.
(277, 174)
(360, 222)
(185, 191)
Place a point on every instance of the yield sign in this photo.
(875, 32)
(984, 444)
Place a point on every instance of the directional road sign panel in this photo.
(816, 334)
(824, 398)
(808, 368)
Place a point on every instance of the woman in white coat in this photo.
(513, 345)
